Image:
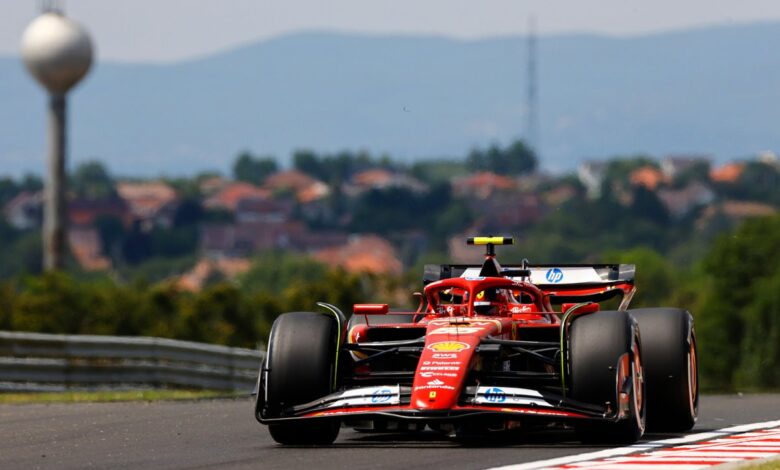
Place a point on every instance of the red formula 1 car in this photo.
(485, 351)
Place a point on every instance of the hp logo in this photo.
(495, 395)
(554, 275)
(382, 395)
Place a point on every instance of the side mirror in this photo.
(587, 308)
(371, 309)
(421, 298)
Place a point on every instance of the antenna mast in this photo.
(51, 6)
(532, 126)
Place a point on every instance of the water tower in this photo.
(58, 53)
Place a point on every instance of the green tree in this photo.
(8, 190)
(339, 167)
(112, 233)
(7, 304)
(21, 254)
(31, 182)
(393, 209)
(307, 162)
(438, 171)
(647, 205)
(656, 278)
(51, 303)
(274, 271)
(515, 159)
(742, 269)
(759, 364)
(699, 171)
(91, 180)
(253, 169)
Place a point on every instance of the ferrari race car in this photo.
(485, 351)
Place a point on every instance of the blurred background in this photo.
(229, 161)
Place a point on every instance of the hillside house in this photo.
(728, 173)
(303, 187)
(674, 166)
(379, 179)
(680, 202)
(482, 185)
(591, 175)
(152, 203)
(648, 176)
(229, 196)
(363, 254)
(25, 210)
(84, 212)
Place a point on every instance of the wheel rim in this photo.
(638, 386)
(693, 380)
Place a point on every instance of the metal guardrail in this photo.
(37, 361)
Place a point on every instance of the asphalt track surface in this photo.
(224, 434)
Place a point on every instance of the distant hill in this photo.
(713, 90)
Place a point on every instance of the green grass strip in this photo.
(15, 398)
(772, 464)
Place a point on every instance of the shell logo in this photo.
(448, 346)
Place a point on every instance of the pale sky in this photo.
(171, 30)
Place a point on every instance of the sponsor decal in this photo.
(510, 396)
(440, 368)
(495, 395)
(441, 363)
(382, 395)
(448, 346)
(554, 275)
(474, 278)
(521, 309)
(438, 387)
(367, 396)
(454, 330)
(437, 374)
(435, 382)
(453, 321)
(444, 356)
(354, 334)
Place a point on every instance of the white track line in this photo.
(642, 446)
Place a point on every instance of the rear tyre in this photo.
(671, 369)
(300, 364)
(605, 361)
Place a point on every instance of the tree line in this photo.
(733, 292)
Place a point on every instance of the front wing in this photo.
(393, 402)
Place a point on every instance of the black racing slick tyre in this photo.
(605, 363)
(300, 364)
(671, 370)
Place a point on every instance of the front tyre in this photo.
(299, 366)
(606, 367)
(670, 356)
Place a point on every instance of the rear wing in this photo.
(563, 282)
(542, 274)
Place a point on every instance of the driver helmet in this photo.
(485, 302)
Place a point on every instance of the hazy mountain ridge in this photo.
(709, 90)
